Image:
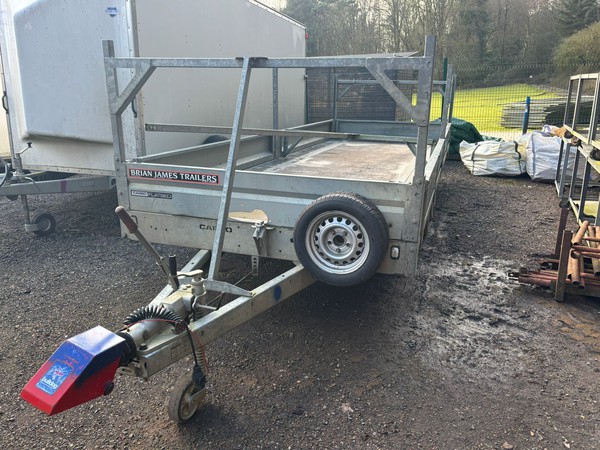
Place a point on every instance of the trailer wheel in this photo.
(214, 138)
(341, 239)
(46, 222)
(185, 400)
(5, 173)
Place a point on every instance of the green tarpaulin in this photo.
(461, 130)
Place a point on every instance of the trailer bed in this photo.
(260, 192)
(348, 159)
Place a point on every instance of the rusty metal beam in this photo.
(581, 232)
(565, 250)
(562, 224)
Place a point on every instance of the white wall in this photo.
(52, 58)
(222, 29)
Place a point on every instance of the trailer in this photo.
(342, 198)
(55, 90)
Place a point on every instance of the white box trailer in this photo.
(55, 86)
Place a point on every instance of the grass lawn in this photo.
(483, 107)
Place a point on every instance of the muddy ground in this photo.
(457, 357)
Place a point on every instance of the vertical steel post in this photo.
(568, 101)
(595, 111)
(562, 224)
(26, 211)
(276, 98)
(597, 220)
(415, 220)
(565, 251)
(561, 172)
(276, 140)
(577, 104)
(116, 120)
(238, 120)
(579, 211)
(424, 90)
(335, 101)
(584, 187)
(575, 164)
(444, 78)
(447, 95)
(6, 107)
(526, 114)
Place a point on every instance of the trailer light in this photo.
(395, 252)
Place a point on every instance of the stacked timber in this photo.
(542, 111)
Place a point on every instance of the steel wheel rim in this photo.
(45, 224)
(187, 405)
(337, 242)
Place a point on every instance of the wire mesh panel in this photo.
(357, 97)
(494, 98)
(500, 110)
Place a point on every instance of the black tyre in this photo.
(4, 171)
(341, 239)
(185, 400)
(214, 138)
(46, 222)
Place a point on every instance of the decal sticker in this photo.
(74, 358)
(173, 175)
(277, 293)
(163, 195)
(112, 11)
(214, 227)
(54, 378)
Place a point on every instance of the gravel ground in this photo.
(458, 356)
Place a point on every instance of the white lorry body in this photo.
(55, 82)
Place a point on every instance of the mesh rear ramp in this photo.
(355, 101)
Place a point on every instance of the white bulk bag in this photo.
(493, 158)
(542, 156)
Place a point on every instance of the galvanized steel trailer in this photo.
(343, 198)
(245, 195)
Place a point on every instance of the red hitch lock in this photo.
(82, 369)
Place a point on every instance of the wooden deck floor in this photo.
(359, 160)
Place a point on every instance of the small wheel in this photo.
(12, 198)
(214, 138)
(5, 173)
(341, 239)
(185, 400)
(46, 222)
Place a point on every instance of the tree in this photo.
(337, 27)
(276, 4)
(398, 21)
(574, 15)
(436, 17)
(577, 54)
(479, 33)
(540, 32)
(470, 32)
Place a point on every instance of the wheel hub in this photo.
(337, 242)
